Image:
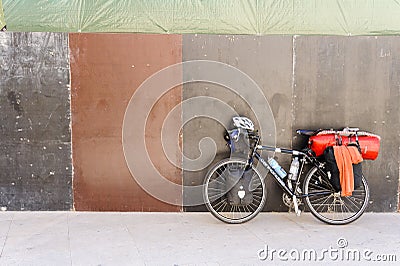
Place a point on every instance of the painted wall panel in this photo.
(268, 61)
(310, 82)
(35, 145)
(354, 82)
(106, 70)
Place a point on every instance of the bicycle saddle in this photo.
(307, 132)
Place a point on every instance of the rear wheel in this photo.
(229, 202)
(329, 206)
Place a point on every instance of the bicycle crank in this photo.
(289, 202)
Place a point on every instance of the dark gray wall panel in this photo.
(268, 61)
(35, 147)
(341, 81)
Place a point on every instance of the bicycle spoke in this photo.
(333, 209)
(347, 208)
(317, 186)
(222, 205)
(352, 203)
(215, 197)
(324, 202)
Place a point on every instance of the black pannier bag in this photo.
(239, 183)
(357, 170)
(333, 170)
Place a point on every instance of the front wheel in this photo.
(233, 193)
(329, 206)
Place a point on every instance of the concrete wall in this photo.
(309, 82)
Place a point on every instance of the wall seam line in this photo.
(70, 123)
(293, 85)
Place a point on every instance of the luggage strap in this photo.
(338, 139)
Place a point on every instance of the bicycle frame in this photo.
(303, 158)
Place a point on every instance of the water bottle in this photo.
(277, 168)
(294, 169)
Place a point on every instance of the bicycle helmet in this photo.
(243, 122)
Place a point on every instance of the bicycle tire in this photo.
(333, 208)
(215, 194)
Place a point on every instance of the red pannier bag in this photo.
(369, 143)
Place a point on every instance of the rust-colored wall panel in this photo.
(154, 125)
(106, 69)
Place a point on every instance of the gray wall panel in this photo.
(341, 81)
(268, 61)
(310, 82)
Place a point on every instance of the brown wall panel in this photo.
(106, 69)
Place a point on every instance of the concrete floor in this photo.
(82, 238)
